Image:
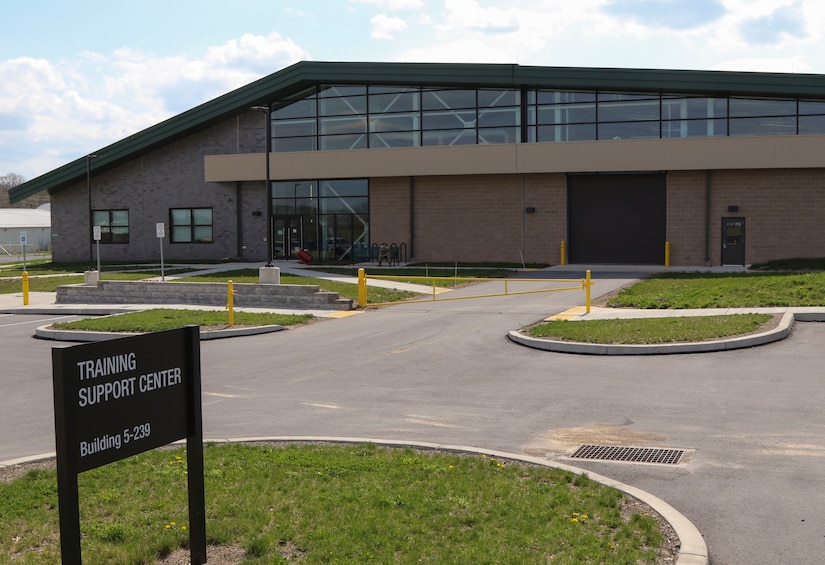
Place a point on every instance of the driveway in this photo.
(446, 373)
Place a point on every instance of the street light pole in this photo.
(270, 243)
(89, 158)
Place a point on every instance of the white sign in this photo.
(23, 237)
(96, 232)
(160, 227)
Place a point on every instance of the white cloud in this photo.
(394, 5)
(70, 108)
(386, 27)
(671, 14)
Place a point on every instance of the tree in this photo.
(9, 181)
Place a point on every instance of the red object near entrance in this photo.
(304, 257)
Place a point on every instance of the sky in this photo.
(78, 75)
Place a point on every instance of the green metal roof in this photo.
(301, 75)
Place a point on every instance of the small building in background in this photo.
(36, 224)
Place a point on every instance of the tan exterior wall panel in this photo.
(231, 168)
(582, 156)
(673, 154)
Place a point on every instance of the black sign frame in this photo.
(121, 397)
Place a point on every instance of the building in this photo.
(464, 162)
(31, 225)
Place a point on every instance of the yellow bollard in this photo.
(25, 288)
(587, 291)
(562, 251)
(362, 288)
(667, 254)
(230, 303)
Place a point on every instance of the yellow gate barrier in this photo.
(583, 284)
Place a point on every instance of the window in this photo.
(114, 225)
(342, 117)
(191, 225)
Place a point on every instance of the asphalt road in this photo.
(446, 373)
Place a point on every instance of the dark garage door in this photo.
(618, 219)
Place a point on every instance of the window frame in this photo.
(107, 235)
(192, 225)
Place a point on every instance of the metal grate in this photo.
(630, 454)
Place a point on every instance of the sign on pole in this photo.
(161, 231)
(121, 397)
(96, 233)
(23, 245)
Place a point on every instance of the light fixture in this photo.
(89, 158)
(269, 239)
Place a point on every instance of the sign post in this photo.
(160, 228)
(121, 397)
(23, 245)
(97, 236)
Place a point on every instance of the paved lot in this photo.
(446, 373)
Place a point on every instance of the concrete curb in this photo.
(692, 551)
(46, 332)
(778, 333)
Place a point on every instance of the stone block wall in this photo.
(300, 297)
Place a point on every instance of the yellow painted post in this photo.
(25, 288)
(587, 291)
(667, 254)
(433, 279)
(230, 303)
(506, 292)
(362, 288)
(562, 250)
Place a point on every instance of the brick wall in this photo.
(169, 177)
(686, 217)
(472, 218)
(784, 211)
(390, 212)
(453, 218)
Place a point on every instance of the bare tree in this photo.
(9, 181)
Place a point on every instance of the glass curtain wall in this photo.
(358, 117)
(590, 115)
(328, 218)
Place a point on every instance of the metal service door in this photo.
(733, 241)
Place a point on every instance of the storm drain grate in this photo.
(658, 455)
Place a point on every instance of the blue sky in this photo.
(77, 76)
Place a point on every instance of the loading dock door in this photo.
(617, 219)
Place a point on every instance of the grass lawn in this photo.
(345, 289)
(334, 504)
(724, 290)
(693, 290)
(427, 276)
(50, 283)
(650, 330)
(161, 319)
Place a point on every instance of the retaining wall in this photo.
(287, 296)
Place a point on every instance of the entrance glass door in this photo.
(733, 241)
(287, 236)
